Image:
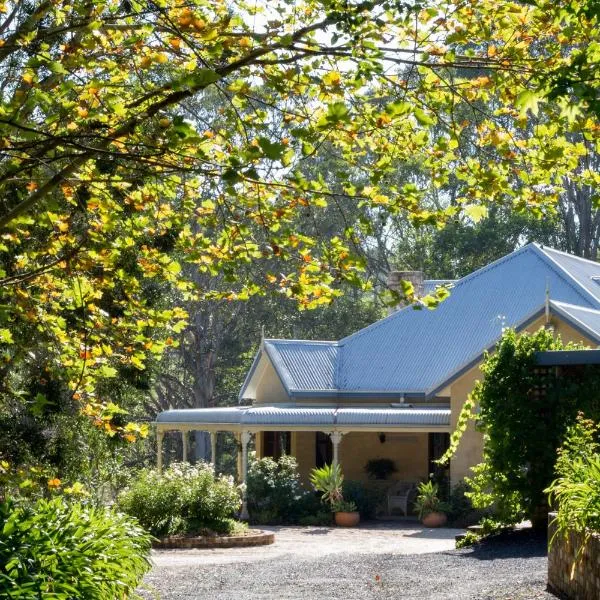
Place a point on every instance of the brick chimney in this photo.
(393, 282)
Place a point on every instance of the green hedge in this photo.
(55, 549)
(185, 499)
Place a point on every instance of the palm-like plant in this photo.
(428, 499)
(328, 480)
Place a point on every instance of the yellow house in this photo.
(395, 389)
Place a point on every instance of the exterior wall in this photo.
(469, 452)
(470, 449)
(577, 580)
(410, 452)
(303, 448)
(269, 389)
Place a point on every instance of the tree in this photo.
(119, 168)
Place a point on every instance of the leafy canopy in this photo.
(140, 137)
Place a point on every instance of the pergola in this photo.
(335, 421)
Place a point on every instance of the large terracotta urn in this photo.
(434, 519)
(347, 519)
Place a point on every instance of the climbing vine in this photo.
(523, 413)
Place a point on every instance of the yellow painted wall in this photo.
(408, 450)
(303, 448)
(269, 389)
(469, 452)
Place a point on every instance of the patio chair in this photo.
(399, 496)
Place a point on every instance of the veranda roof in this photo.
(308, 418)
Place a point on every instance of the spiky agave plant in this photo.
(328, 480)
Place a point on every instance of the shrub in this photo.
(576, 491)
(461, 512)
(275, 494)
(185, 499)
(54, 549)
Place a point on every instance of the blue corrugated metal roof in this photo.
(420, 351)
(583, 271)
(304, 365)
(306, 416)
(413, 350)
(585, 319)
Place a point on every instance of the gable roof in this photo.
(304, 365)
(418, 352)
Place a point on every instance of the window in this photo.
(276, 444)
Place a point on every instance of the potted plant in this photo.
(430, 508)
(380, 468)
(328, 480)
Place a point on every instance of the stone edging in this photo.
(571, 573)
(253, 538)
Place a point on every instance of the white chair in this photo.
(399, 496)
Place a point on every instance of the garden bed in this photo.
(251, 537)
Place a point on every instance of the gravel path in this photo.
(510, 567)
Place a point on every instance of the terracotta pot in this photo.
(434, 519)
(347, 519)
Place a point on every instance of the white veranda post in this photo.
(336, 438)
(159, 447)
(213, 450)
(184, 443)
(245, 439)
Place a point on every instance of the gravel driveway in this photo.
(380, 561)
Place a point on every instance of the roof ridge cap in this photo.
(568, 254)
(577, 306)
(565, 275)
(298, 341)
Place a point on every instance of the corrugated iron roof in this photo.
(308, 416)
(585, 319)
(229, 415)
(304, 365)
(393, 416)
(420, 351)
(582, 270)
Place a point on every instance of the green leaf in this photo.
(528, 100)
(6, 336)
(272, 150)
(106, 371)
(204, 77)
(423, 118)
(307, 148)
(476, 212)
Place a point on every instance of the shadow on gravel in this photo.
(521, 543)
(316, 532)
